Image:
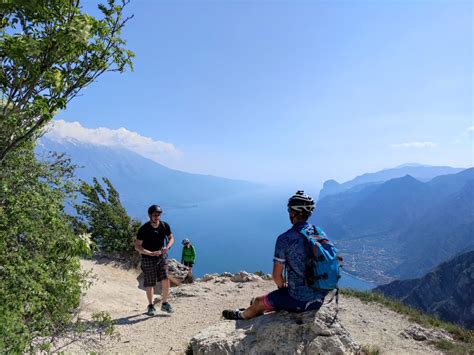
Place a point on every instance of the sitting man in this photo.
(290, 252)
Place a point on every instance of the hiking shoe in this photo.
(166, 307)
(232, 314)
(151, 310)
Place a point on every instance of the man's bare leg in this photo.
(165, 290)
(149, 294)
(257, 308)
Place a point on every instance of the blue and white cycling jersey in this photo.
(290, 250)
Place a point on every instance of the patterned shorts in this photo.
(154, 270)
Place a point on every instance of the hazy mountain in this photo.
(403, 227)
(418, 171)
(141, 181)
(444, 230)
(446, 292)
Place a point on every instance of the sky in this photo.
(288, 92)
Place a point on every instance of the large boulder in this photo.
(178, 273)
(279, 332)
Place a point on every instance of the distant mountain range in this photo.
(403, 227)
(141, 181)
(418, 171)
(446, 292)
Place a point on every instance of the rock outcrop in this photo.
(279, 332)
(178, 273)
(446, 292)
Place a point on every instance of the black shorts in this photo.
(188, 263)
(154, 270)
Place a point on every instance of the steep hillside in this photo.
(445, 230)
(446, 292)
(141, 181)
(394, 229)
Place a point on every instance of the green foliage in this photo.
(103, 324)
(49, 51)
(263, 275)
(111, 228)
(40, 276)
(464, 337)
(370, 350)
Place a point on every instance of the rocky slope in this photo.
(446, 292)
(197, 319)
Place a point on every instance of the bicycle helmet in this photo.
(302, 203)
(154, 208)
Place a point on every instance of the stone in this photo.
(209, 277)
(278, 332)
(178, 273)
(419, 333)
(243, 276)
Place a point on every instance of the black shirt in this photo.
(154, 238)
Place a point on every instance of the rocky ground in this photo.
(199, 306)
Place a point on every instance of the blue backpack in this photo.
(323, 269)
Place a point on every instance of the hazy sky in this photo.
(288, 92)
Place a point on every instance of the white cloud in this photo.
(161, 152)
(470, 129)
(417, 145)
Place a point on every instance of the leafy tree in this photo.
(110, 227)
(40, 276)
(49, 51)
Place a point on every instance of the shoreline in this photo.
(360, 278)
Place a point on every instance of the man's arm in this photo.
(170, 241)
(139, 247)
(277, 274)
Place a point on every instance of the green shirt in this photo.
(189, 254)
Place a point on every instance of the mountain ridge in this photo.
(418, 171)
(383, 227)
(445, 292)
(140, 179)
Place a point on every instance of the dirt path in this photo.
(200, 305)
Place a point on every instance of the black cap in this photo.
(154, 208)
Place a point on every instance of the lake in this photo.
(236, 233)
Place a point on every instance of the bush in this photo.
(40, 276)
(111, 229)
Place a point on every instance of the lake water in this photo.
(236, 233)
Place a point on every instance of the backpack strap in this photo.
(310, 277)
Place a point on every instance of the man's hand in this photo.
(156, 253)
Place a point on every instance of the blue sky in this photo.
(286, 92)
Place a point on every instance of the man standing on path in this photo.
(290, 253)
(154, 238)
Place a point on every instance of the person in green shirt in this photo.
(188, 257)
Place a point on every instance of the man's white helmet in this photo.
(302, 203)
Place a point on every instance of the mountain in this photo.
(446, 292)
(141, 181)
(395, 229)
(418, 171)
(444, 230)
